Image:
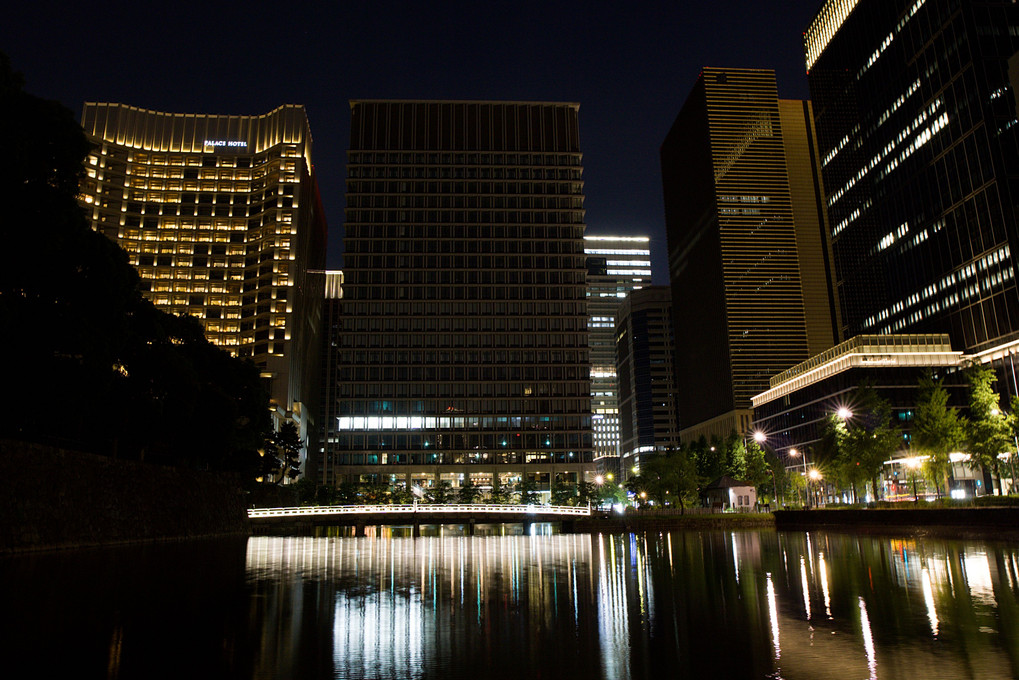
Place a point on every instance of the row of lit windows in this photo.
(517, 200)
(956, 281)
(522, 358)
(447, 158)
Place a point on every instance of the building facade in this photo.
(616, 265)
(738, 230)
(332, 311)
(647, 388)
(792, 413)
(463, 346)
(222, 218)
(916, 122)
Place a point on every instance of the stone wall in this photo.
(54, 498)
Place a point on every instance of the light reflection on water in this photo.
(757, 604)
(680, 605)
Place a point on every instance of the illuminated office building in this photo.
(463, 350)
(222, 219)
(616, 265)
(916, 123)
(750, 274)
(647, 387)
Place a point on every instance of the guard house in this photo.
(726, 493)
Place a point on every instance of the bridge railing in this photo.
(433, 509)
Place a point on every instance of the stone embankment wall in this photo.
(636, 522)
(1004, 520)
(54, 499)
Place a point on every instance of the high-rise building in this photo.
(647, 386)
(463, 350)
(616, 265)
(916, 123)
(222, 218)
(332, 311)
(747, 265)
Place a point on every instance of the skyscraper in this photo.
(222, 218)
(916, 122)
(463, 346)
(647, 386)
(616, 265)
(733, 219)
(332, 313)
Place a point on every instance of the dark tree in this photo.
(527, 490)
(937, 430)
(469, 493)
(98, 367)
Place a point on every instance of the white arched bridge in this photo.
(360, 516)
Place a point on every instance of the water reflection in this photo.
(685, 605)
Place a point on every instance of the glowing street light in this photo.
(844, 413)
(759, 437)
(815, 476)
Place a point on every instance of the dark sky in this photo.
(630, 65)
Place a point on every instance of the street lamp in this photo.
(794, 453)
(814, 475)
(844, 413)
(913, 464)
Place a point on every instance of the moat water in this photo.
(745, 604)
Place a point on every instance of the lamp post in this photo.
(794, 453)
(913, 464)
(815, 475)
(760, 438)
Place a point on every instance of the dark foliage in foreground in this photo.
(91, 363)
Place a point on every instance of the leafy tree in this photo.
(711, 458)
(469, 493)
(500, 492)
(638, 486)
(588, 493)
(374, 493)
(402, 495)
(937, 430)
(854, 451)
(736, 457)
(756, 468)
(288, 447)
(527, 490)
(442, 493)
(562, 493)
(987, 428)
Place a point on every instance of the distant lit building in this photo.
(750, 273)
(463, 350)
(647, 388)
(616, 265)
(221, 216)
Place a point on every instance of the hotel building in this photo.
(222, 219)
(463, 346)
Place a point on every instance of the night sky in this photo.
(630, 65)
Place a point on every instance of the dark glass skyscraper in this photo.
(647, 381)
(916, 122)
(463, 349)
